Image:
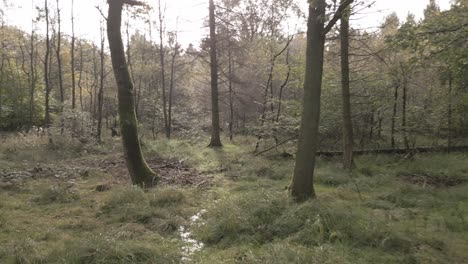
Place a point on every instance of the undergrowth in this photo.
(391, 209)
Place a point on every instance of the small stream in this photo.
(191, 245)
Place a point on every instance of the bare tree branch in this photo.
(337, 15)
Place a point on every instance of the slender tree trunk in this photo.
(2, 64)
(302, 187)
(46, 68)
(163, 70)
(95, 85)
(215, 128)
(281, 91)
(32, 80)
(171, 91)
(72, 54)
(269, 86)
(449, 110)
(59, 65)
(394, 114)
(231, 95)
(80, 87)
(347, 121)
(403, 113)
(140, 173)
(101, 87)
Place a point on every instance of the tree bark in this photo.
(163, 70)
(140, 173)
(231, 95)
(347, 121)
(449, 116)
(215, 128)
(46, 68)
(101, 87)
(394, 114)
(32, 74)
(59, 65)
(171, 91)
(403, 113)
(302, 187)
(302, 184)
(80, 87)
(72, 54)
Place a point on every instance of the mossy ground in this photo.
(380, 214)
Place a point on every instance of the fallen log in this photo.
(396, 151)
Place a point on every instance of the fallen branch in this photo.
(396, 151)
(277, 145)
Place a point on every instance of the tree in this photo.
(302, 187)
(59, 64)
(102, 76)
(175, 46)
(72, 54)
(46, 67)
(215, 129)
(163, 68)
(347, 121)
(140, 173)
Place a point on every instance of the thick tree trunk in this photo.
(302, 185)
(140, 173)
(215, 128)
(347, 121)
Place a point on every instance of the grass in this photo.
(382, 213)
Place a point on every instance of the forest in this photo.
(288, 133)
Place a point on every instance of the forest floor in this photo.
(72, 203)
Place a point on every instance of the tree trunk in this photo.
(101, 87)
(394, 114)
(80, 87)
(171, 89)
(231, 96)
(215, 128)
(347, 121)
(449, 117)
(163, 70)
(140, 173)
(72, 54)
(2, 64)
(302, 184)
(46, 68)
(59, 65)
(32, 79)
(286, 80)
(269, 86)
(403, 113)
